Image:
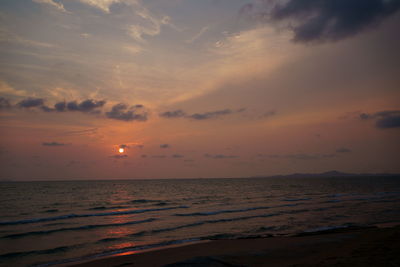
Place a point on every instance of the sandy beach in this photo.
(374, 246)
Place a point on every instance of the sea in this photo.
(50, 223)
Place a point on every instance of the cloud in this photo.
(198, 35)
(177, 156)
(51, 3)
(220, 156)
(269, 114)
(88, 105)
(124, 113)
(119, 156)
(200, 116)
(299, 156)
(384, 119)
(4, 87)
(343, 150)
(173, 114)
(159, 156)
(123, 146)
(164, 146)
(210, 115)
(31, 102)
(53, 144)
(4, 103)
(81, 132)
(324, 20)
(85, 106)
(103, 5)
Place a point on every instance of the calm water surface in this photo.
(47, 223)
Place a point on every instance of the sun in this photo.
(121, 150)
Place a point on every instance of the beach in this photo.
(370, 246)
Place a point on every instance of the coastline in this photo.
(370, 246)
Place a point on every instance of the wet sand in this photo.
(342, 247)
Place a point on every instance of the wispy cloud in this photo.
(220, 156)
(103, 5)
(119, 156)
(198, 35)
(298, 156)
(59, 6)
(53, 144)
(6, 89)
(343, 150)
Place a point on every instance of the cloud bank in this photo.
(323, 20)
(123, 112)
(384, 119)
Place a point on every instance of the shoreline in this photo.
(352, 246)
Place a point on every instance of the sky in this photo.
(190, 89)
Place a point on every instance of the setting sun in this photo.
(121, 150)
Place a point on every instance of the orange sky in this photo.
(196, 88)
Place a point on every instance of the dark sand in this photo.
(346, 247)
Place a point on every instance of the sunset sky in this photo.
(198, 88)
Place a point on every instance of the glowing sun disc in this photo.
(121, 150)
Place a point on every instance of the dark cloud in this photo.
(123, 146)
(53, 144)
(343, 150)
(124, 113)
(384, 119)
(4, 103)
(165, 146)
(324, 20)
(220, 156)
(173, 114)
(31, 102)
(199, 116)
(60, 106)
(177, 156)
(119, 156)
(144, 156)
(210, 115)
(88, 105)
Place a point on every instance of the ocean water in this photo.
(50, 223)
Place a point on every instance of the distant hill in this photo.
(333, 173)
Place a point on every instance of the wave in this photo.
(108, 208)
(38, 252)
(118, 251)
(140, 201)
(70, 216)
(85, 227)
(156, 231)
(51, 211)
(297, 199)
(216, 212)
(208, 213)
